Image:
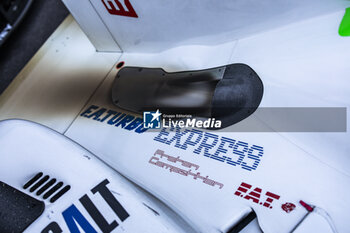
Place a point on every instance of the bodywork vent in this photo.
(49, 187)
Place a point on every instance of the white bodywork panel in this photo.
(44, 150)
(162, 24)
(315, 223)
(92, 24)
(286, 169)
(305, 65)
(295, 62)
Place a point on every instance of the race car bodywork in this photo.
(57, 186)
(262, 174)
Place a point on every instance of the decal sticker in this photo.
(185, 170)
(265, 199)
(115, 7)
(288, 207)
(344, 28)
(222, 149)
(114, 118)
(255, 195)
(73, 216)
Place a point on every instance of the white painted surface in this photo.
(182, 58)
(93, 26)
(164, 24)
(314, 223)
(305, 65)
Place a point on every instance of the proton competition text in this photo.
(223, 149)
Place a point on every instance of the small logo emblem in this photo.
(115, 7)
(151, 120)
(288, 207)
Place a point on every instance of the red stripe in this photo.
(306, 206)
(246, 185)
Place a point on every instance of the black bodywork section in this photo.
(17, 209)
(243, 223)
(237, 95)
(229, 93)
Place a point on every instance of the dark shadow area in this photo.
(42, 19)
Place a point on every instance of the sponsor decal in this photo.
(120, 7)
(288, 207)
(114, 118)
(256, 195)
(185, 170)
(222, 149)
(73, 216)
